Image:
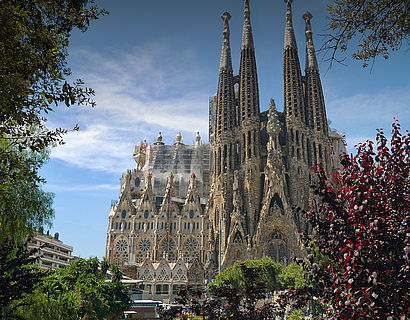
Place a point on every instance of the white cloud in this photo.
(363, 113)
(353, 141)
(138, 93)
(96, 147)
(155, 88)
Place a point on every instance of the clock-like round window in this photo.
(191, 214)
(144, 245)
(191, 245)
(146, 214)
(121, 245)
(137, 182)
(123, 214)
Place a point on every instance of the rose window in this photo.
(171, 245)
(121, 245)
(144, 245)
(191, 245)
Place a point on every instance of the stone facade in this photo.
(166, 217)
(262, 161)
(163, 279)
(233, 199)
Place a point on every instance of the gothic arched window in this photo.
(276, 235)
(137, 182)
(272, 252)
(238, 238)
(282, 251)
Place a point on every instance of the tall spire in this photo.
(290, 40)
(225, 95)
(226, 60)
(248, 83)
(247, 37)
(249, 119)
(292, 75)
(315, 102)
(311, 61)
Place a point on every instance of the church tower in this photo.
(170, 224)
(296, 134)
(224, 142)
(315, 103)
(250, 123)
(292, 75)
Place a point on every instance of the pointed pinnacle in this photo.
(307, 16)
(247, 37)
(290, 40)
(247, 11)
(288, 9)
(308, 30)
(225, 17)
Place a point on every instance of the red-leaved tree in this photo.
(362, 226)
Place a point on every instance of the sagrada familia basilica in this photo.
(186, 211)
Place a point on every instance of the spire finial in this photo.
(311, 61)
(288, 10)
(159, 139)
(247, 11)
(247, 37)
(308, 30)
(226, 61)
(225, 17)
(290, 40)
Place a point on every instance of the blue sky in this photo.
(154, 64)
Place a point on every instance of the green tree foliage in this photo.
(234, 277)
(18, 275)
(378, 27)
(78, 292)
(296, 315)
(293, 276)
(23, 205)
(249, 301)
(34, 76)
